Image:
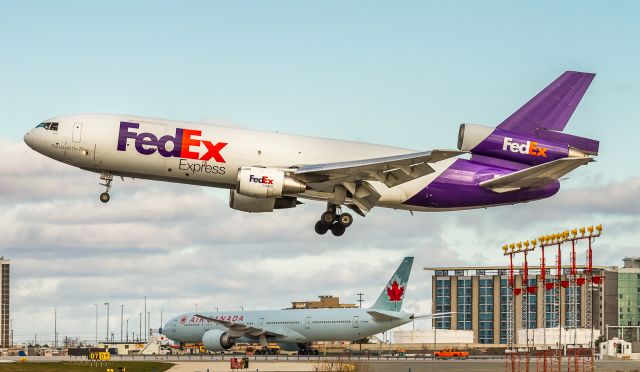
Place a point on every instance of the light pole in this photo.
(161, 311)
(55, 328)
(121, 318)
(96, 305)
(107, 304)
(145, 318)
(196, 306)
(127, 330)
(149, 325)
(140, 325)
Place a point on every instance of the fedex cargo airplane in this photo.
(520, 160)
(218, 331)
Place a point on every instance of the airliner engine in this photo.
(216, 340)
(266, 183)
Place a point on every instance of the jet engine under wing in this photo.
(239, 329)
(537, 176)
(390, 170)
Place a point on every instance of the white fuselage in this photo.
(297, 325)
(91, 142)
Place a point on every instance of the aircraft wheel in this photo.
(316, 352)
(337, 229)
(321, 228)
(104, 197)
(327, 218)
(345, 219)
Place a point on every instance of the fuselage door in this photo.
(307, 322)
(355, 322)
(261, 323)
(77, 132)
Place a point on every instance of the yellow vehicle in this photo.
(270, 349)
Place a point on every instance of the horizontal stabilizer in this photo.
(382, 316)
(434, 316)
(537, 176)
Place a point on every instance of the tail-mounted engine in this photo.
(523, 148)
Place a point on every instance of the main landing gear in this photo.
(333, 219)
(107, 178)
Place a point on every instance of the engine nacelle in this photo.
(512, 146)
(266, 183)
(256, 205)
(216, 340)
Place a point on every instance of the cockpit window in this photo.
(48, 126)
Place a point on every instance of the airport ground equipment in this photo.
(549, 357)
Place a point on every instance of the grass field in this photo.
(73, 367)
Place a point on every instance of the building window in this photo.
(485, 311)
(479, 272)
(532, 305)
(504, 309)
(443, 302)
(464, 304)
(459, 272)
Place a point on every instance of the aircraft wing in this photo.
(537, 176)
(238, 329)
(390, 170)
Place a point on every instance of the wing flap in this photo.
(390, 170)
(537, 176)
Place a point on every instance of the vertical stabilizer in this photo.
(393, 294)
(552, 107)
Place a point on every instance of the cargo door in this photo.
(77, 132)
(307, 322)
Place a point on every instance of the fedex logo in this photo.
(185, 143)
(529, 148)
(264, 179)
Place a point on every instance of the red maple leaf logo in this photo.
(183, 320)
(395, 292)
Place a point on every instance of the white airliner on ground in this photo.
(519, 161)
(219, 331)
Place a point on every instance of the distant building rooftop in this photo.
(326, 302)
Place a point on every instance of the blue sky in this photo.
(404, 74)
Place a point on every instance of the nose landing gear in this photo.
(107, 177)
(333, 219)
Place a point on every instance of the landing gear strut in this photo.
(333, 219)
(107, 178)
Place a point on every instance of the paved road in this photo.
(313, 364)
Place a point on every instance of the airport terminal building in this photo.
(477, 297)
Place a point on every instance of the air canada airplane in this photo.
(520, 160)
(218, 331)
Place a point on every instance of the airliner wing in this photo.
(390, 170)
(537, 176)
(239, 329)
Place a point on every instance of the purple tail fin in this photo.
(552, 107)
(533, 134)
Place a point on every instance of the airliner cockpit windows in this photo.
(48, 126)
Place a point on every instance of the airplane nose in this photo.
(27, 139)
